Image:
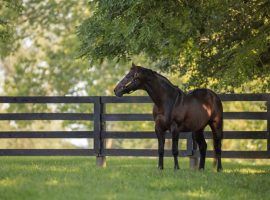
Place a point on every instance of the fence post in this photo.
(192, 146)
(99, 142)
(268, 125)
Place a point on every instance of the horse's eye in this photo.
(136, 75)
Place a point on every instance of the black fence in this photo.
(99, 133)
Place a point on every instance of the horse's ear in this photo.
(133, 65)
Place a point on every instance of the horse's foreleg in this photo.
(199, 137)
(175, 139)
(161, 142)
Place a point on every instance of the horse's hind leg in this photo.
(199, 137)
(175, 139)
(216, 127)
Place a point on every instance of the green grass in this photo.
(51, 178)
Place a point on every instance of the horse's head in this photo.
(133, 80)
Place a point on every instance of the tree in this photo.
(222, 44)
(45, 62)
(9, 14)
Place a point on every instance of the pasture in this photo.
(61, 117)
(128, 178)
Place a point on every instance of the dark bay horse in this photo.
(177, 112)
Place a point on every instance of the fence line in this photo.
(99, 134)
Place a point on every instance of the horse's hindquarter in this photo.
(197, 109)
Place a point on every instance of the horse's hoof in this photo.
(201, 169)
(160, 167)
(219, 169)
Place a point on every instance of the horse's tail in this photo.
(218, 142)
(216, 125)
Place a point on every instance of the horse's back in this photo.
(202, 93)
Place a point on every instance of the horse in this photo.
(177, 111)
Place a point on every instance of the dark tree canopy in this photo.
(226, 41)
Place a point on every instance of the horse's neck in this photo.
(161, 91)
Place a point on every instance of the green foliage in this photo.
(45, 63)
(136, 178)
(219, 44)
(10, 11)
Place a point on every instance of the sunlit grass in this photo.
(247, 171)
(128, 178)
(7, 182)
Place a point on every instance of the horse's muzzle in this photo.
(118, 92)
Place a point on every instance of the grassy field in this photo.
(127, 178)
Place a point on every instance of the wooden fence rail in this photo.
(99, 134)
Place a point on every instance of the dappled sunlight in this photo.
(133, 144)
(199, 194)
(165, 184)
(35, 143)
(52, 182)
(253, 162)
(64, 169)
(7, 182)
(129, 108)
(130, 126)
(244, 125)
(244, 106)
(114, 175)
(41, 168)
(59, 182)
(247, 171)
(127, 165)
(243, 145)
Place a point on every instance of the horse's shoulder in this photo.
(157, 111)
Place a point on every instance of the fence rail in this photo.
(99, 117)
